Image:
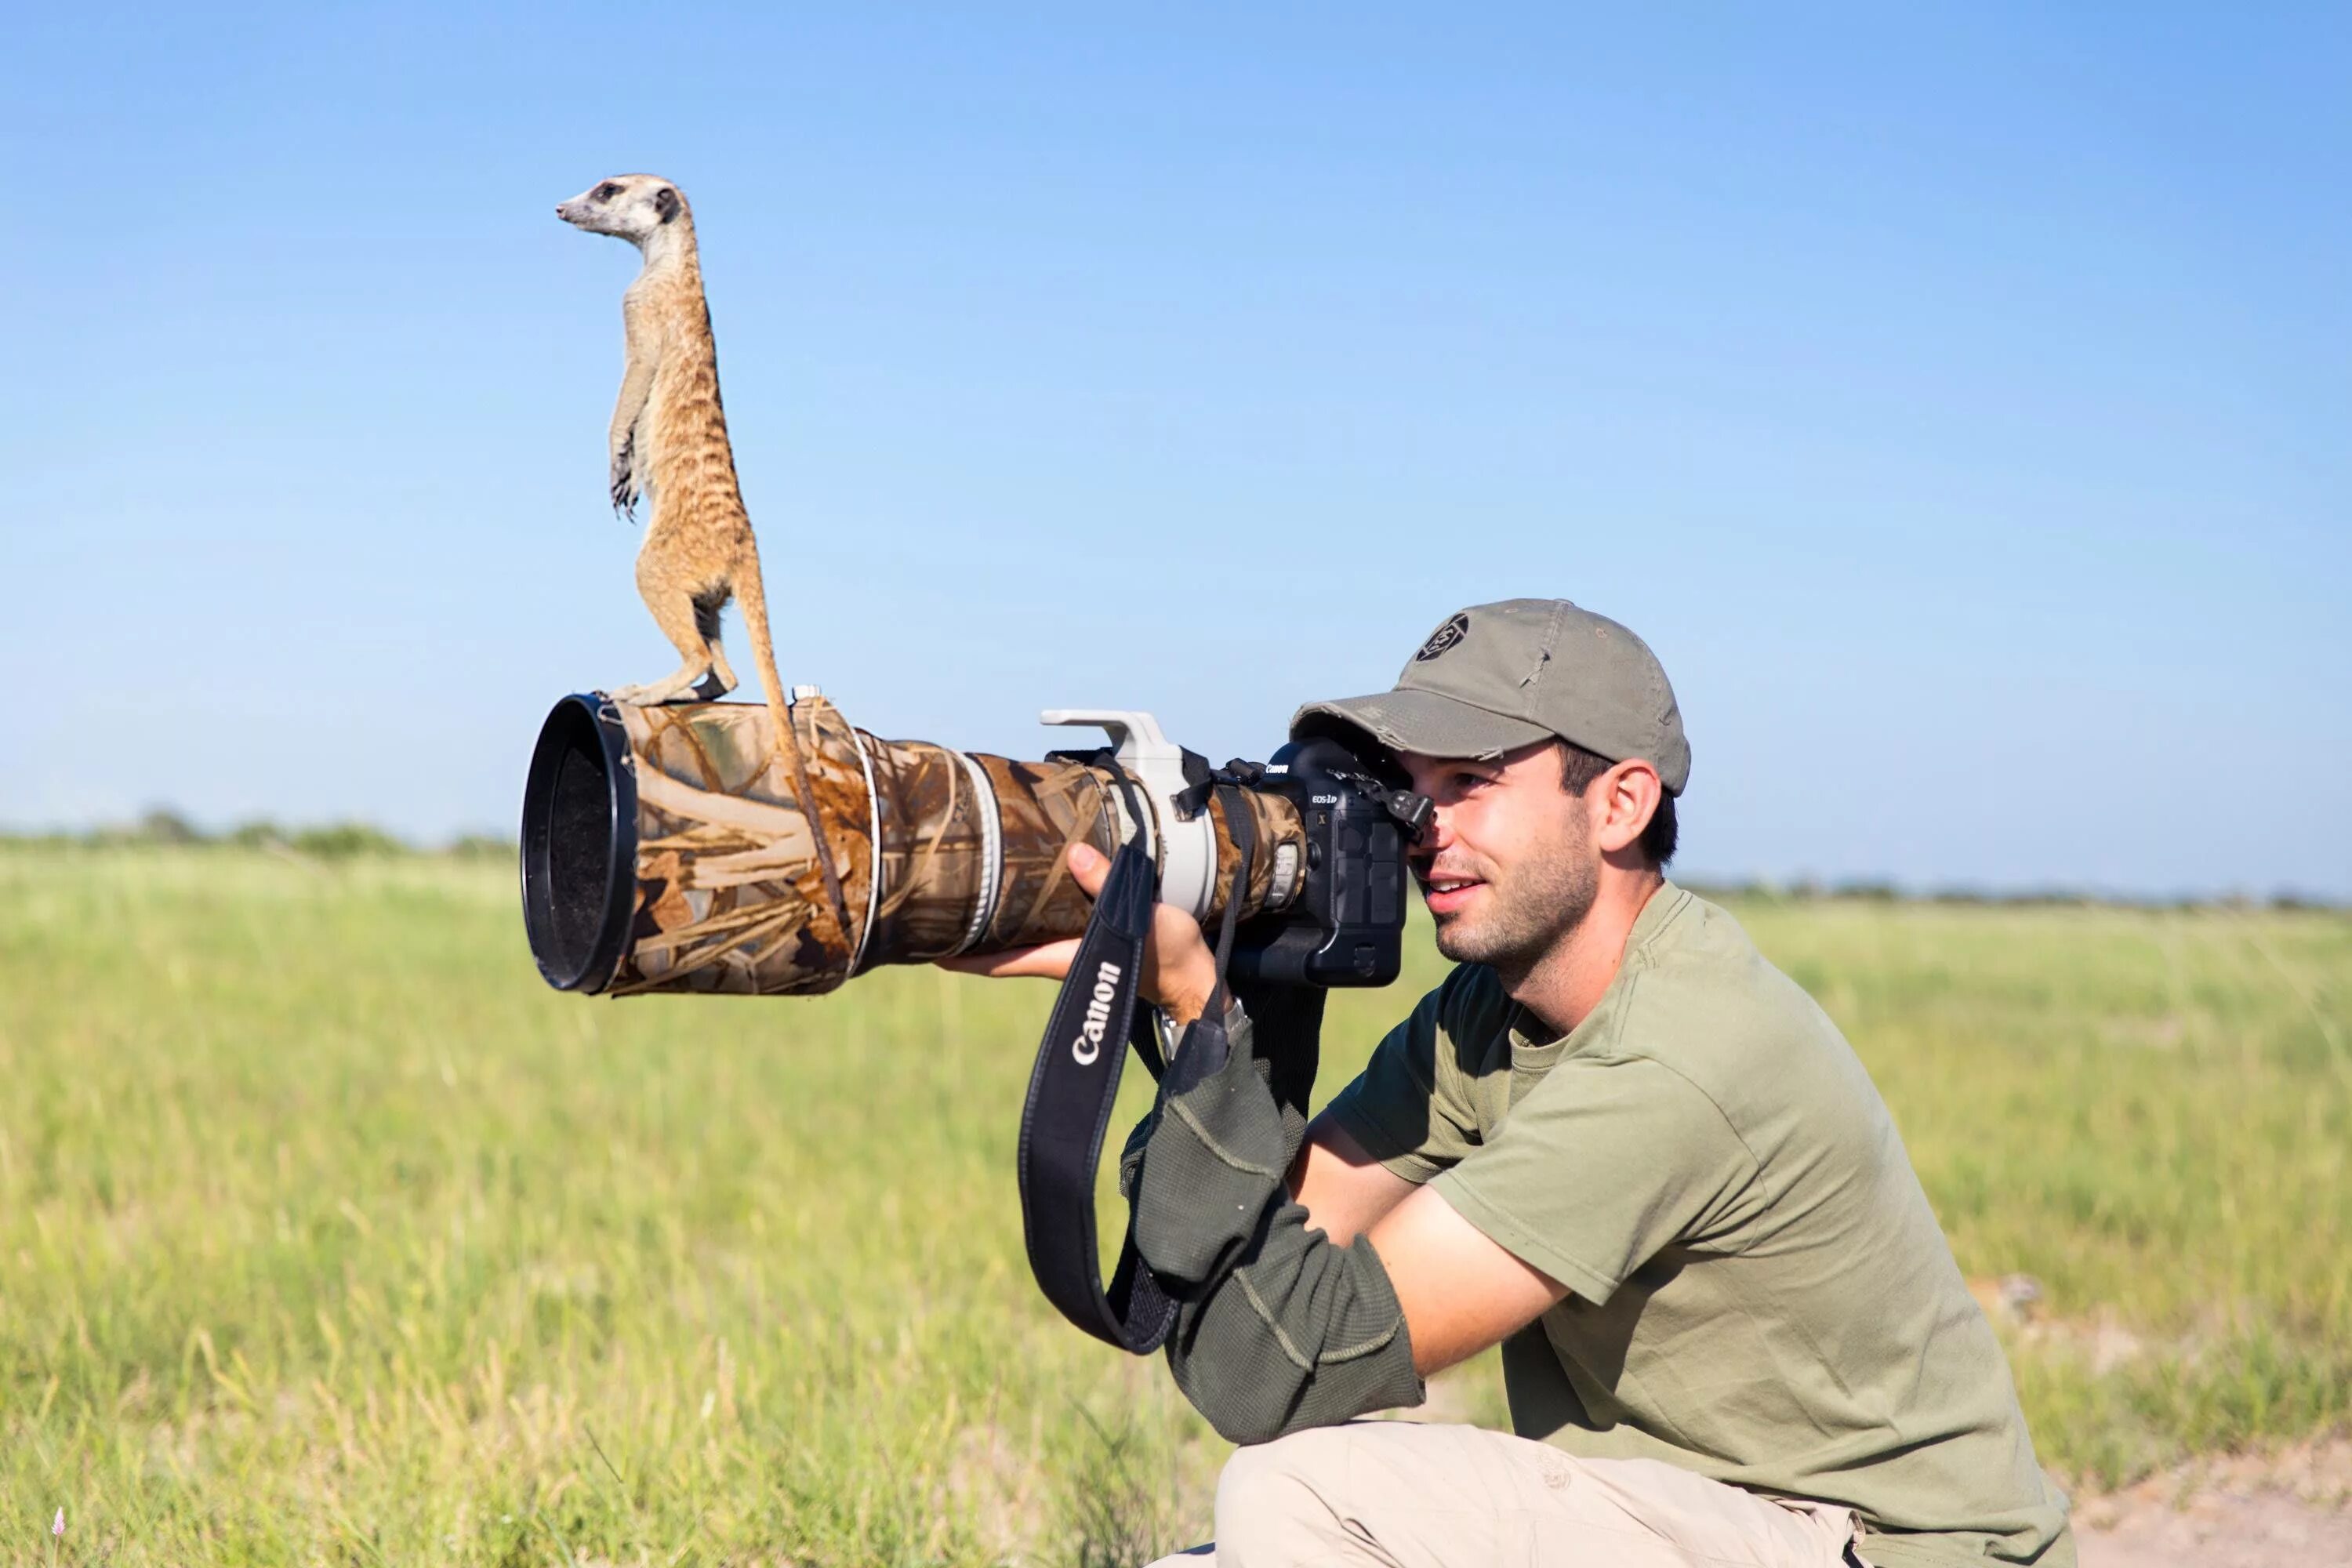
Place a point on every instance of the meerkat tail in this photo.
(750, 597)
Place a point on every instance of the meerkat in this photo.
(669, 443)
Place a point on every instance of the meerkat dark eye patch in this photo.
(665, 202)
(607, 191)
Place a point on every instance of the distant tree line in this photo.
(350, 840)
(1876, 890)
(163, 827)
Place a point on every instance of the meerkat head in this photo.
(634, 208)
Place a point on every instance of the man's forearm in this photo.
(1277, 1329)
(1343, 1188)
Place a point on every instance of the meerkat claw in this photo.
(622, 476)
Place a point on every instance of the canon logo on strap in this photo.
(1088, 1045)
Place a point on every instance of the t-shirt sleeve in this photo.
(1606, 1161)
(1407, 1106)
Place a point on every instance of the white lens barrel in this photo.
(1185, 852)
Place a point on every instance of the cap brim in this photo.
(1428, 723)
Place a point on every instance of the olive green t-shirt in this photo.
(1758, 1289)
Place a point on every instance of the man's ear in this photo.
(1629, 792)
(666, 204)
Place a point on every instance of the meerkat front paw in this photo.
(624, 480)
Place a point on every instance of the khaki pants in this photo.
(1402, 1495)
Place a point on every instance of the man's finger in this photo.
(1089, 868)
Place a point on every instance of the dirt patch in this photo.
(2016, 1305)
(2288, 1509)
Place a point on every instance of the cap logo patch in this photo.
(1448, 635)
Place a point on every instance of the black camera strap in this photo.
(1075, 1080)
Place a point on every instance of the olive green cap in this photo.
(1497, 677)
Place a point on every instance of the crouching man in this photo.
(1616, 1141)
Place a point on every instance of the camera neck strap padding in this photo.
(1075, 1080)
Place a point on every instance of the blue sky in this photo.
(1958, 401)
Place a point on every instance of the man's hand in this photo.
(1179, 971)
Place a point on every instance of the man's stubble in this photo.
(1529, 909)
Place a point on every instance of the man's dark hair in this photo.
(1579, 768)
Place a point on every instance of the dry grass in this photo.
(328, 1234)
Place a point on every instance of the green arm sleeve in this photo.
(1276, 1329)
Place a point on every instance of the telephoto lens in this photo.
(665, 849)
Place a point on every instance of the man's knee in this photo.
(1271, 1488)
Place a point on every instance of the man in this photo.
(1614, 1141)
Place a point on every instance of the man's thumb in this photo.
(1087, 867)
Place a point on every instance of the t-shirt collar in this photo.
(1529, 1035)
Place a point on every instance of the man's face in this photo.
(1507, 866)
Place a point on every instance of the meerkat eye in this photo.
(607, 191)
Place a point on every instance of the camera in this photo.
(1345, 926)
(1335, 912)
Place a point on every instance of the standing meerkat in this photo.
(669, 441)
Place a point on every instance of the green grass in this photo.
(327, 1235)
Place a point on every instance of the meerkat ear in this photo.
(665, 202)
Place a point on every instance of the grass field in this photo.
(328, 1234)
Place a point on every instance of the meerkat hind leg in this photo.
(721, 680)
(680, 621)
(681, 687)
